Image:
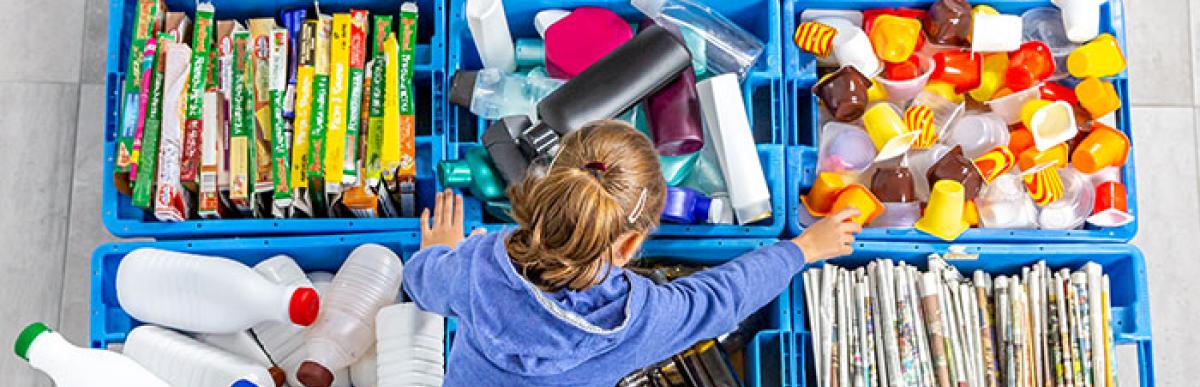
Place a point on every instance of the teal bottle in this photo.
(474, 172)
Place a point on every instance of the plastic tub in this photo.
(123, 219)
(1124, 264)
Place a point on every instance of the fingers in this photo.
(439, 210)
(478, 231)
(843, 215)
(850, 227)
(458, 212)
(425, 228)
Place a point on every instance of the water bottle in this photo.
(345, 330)
(411, 346)
(491, 93)
(203, 294)
(71, 366)
(185, 362)
(730, 48)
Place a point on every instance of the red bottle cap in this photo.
(304, 306)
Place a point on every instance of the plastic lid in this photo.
(304, 307)
(649, 7)
(462, 88)
(277, 373)
(244, 383)
(544, 19)
(454, 173)
(700, 211)
(27, 336)
(312, 374)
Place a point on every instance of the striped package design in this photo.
(1045, 186)
(815, 37)
(995, 163)
(919, 118)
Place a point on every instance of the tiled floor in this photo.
(51, 118)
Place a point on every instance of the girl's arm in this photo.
(433, 277)
(712, 302)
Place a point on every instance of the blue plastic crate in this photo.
(1124, 264)
(110, 324)
(123, 219)
(800, 75)
(772, 159)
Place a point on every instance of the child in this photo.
(549, 304)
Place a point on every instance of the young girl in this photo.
(549, 304)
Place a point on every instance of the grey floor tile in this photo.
(1160, 63)
(85, 228)
(1194, 23)
(41, 39)
(1165, 151)
(95, 42)
(37, 126)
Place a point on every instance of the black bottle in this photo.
(508, 158)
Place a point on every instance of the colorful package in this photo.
(260, 35)
(339, 79)
(147, 148)
(170, 199)
(240, 127)
(358, 50)
(320, 100)
(149, 18)
(280, 140)
(189, 166)
(378, 79)
(304, 103)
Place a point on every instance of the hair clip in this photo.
(636, 212)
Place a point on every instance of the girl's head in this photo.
(590, 210)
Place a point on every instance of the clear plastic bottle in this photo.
(185, 362)
(730, 48)
(321, 280)
(282, 341)
(492, 94)
(72, 366)
(345, 330)
(204, 294)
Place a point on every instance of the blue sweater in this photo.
(512, 334)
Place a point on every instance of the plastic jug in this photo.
(71, 366)
(411, 346)
(321, 281)
(345, 330)
(185, 362)
(241, 344)
(282, 341)
(205, 294)
(730, 48)
(365, 371)
(491, 93)
(729, 128)
(575, 42)
(489, 29)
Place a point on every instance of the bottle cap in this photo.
(312, 374)
(304, 307)
(454, 173)
(462, 88)
(27, 336)
(277, 374)
(243, 383)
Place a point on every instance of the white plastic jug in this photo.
(205, 294)
(363, 372)
(345, 329)
(411, 346)
(282, 341)
(185, 362)
(726, 122)
(71, 366)
(241, 344)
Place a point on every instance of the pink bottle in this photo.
(581, 38)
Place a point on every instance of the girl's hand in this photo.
(830, 237)
(447, 227)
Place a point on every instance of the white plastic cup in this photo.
(845, 149)
(1073, 208)
(1004, 204)
(853, 17)
(944, 111)
(898, 215)
(1045, 24)
(900, 92)
(978, 133)
(852, 47)
(1081, 18)
(995, 33)
(1009, 106)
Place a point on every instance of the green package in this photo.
(280, 141)
(358, 49)
(143, 187)
(373, 163)
(189, 165)
(240, 126)
(148, 12)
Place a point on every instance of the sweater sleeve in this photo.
(430, 279)
(712, 302)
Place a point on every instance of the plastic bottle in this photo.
(204, 294)
(489, 29)
(575, 42)
(71, 366)
(282, 341)
(506, 155)
(674, 114)
(241, 344)
(345, 330)
(411, 348)
(321, 281)
(364, 372)
(473, 171)
(492, 94)
(725, 119)
(185, 362)
(608, 87)
(730, 48)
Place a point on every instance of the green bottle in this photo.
(475, 172)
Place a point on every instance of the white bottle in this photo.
(411, 347)
(363, 373)
(282, 341)
(241, 344)
(489, 29)
(185, 362)
(71, 366)
(341, 376)
(727, 125)
(345, 329)
(206, 294)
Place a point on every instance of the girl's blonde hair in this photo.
(605, 181)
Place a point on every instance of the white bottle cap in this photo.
(544, 19)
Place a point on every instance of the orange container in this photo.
(858, 196)
(1103, 147)
(824, 192)
(1031, 157)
